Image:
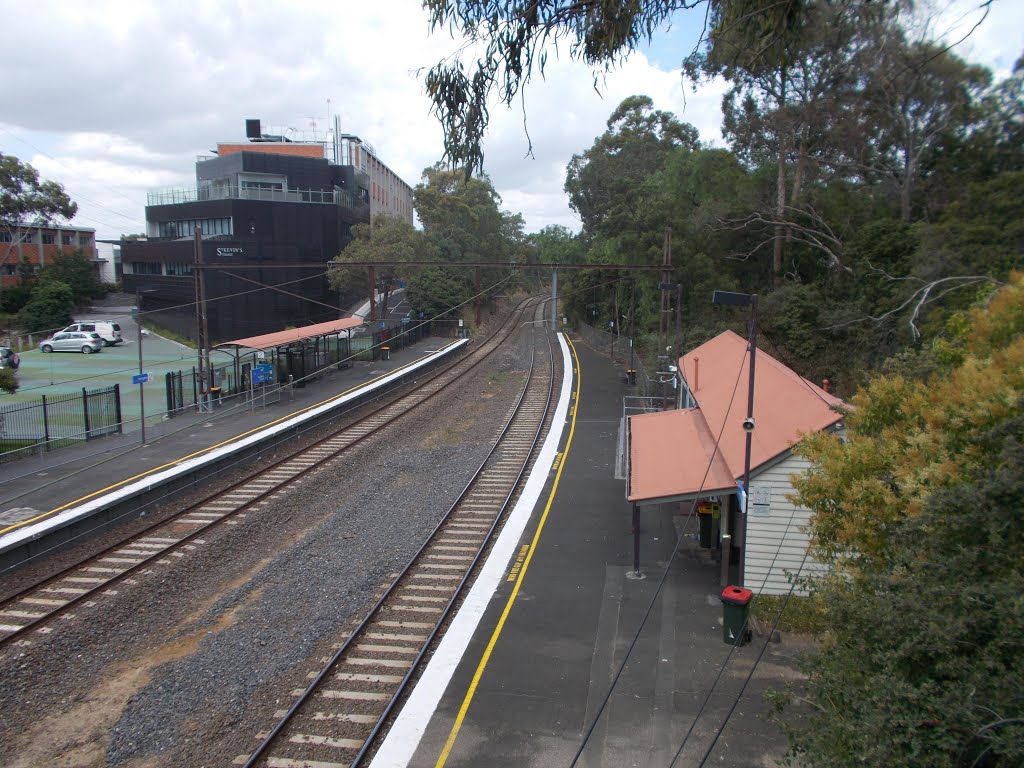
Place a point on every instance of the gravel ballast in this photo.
(188, 663)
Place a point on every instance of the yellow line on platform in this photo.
(485, 658)
(221, 444)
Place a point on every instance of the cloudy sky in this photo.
(112, 99)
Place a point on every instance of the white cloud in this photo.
(114, 98)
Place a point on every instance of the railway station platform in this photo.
(570, 659)
(38, 492)
(542, 680)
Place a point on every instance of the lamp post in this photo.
(729, 298)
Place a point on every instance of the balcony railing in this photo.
(339, 197)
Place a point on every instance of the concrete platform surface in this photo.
(540, 683)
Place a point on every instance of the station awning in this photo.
(281, 338)
(673, 457)
(673, 454)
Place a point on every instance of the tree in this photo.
(385, 239)
(437, 292)
(556, 244)
(50, 307)
(785, 103)
(602, 182)
(918, 94)
(75, 270)
(918, 511)
(461, 217)
(515, 39)
(26, 201)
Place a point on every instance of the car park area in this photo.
(54, 374)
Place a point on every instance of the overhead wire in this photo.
(733, 647)
(753, 667)
(43, 152)
(665, 571)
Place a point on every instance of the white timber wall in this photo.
(777, 536)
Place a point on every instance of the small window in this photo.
(5, 237)
(48, 239)
(67, 239)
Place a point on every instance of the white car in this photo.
(109, 332)
(73, 341)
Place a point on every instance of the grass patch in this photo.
(168, 334)
(802, 614)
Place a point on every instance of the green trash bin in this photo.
(735, 609)
(706, 526)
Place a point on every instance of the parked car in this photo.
(109, 332)
(9, 358)
(74, 341)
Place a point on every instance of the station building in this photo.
(695, 456)
(271, 210)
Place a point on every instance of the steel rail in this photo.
(358, 632)
(406, 404)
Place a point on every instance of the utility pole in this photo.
(666, 287)
(476, 296)
(200, 301)
(730, 298)
(748, 427)
(373, 294)
(554, 299)
(666, 315)
(142, 388)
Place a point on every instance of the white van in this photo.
(109, 332)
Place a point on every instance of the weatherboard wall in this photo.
(777, 537)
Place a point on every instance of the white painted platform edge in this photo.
(404, 737)
(36, 530)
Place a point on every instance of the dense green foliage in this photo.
(871, 196)
(49, 308)
(463, 223)
(25, 200)
(920, 512)
(870, 189)
(74, 270)
(44, 300)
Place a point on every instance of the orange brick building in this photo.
(37, 247)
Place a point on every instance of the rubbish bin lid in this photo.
(736, 595)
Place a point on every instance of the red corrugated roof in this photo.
(786, 406)
(671, 450)
(280, 338)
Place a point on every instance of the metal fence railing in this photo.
(56, 421)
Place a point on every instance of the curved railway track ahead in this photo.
(87, 583)
(336, 720)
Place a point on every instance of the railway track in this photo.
(337, 720)
(88, 583)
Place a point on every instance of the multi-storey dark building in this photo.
(271, 212)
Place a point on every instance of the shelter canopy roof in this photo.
(669, 454)
(281, 338)
(786, 406)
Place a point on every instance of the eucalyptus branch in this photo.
(815, 233)
(918, 299)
